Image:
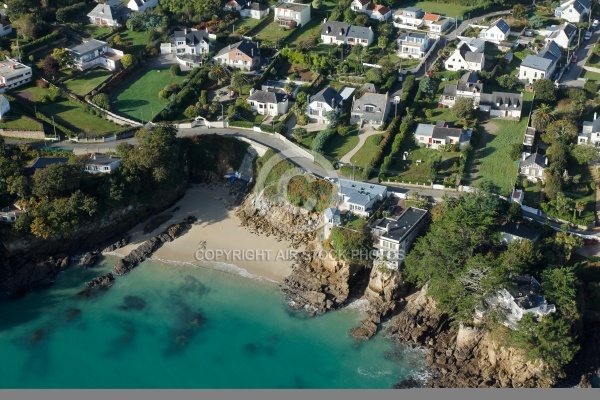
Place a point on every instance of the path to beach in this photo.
(217, 240)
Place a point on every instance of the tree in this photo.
(18, 8)
(537, 22)
(50, 66)
(591, 87)
(427, 86)
(127, 60)
(26, 26)
(562, 130)
(238, 81)
(434, 166)
(175, 70)
(373, 75)
(63, 56)
(299, 133)
(563, 246)
(544, 90)
(509, 82)
(56, 180)
(361, 20)
(515, 151)
(552, 186)
(352, 245)
(102, 100)
(187, 9)
(541, 117)
(218, 72)
(382, 43)
(70, 13)
(289, 87)
(334, 119)
(519, 11)
(463, 107)
(190, 112)
(316, 4)
(584, 153)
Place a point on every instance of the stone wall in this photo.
(23, 134)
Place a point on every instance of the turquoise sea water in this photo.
(173, 326)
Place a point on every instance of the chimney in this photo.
(252, 51)
(185, 31)
(546, 161)
(595, 116)
(523, 156)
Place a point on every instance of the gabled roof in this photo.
(378, 101)
(107, 12)
(262, 96)
(551, 51)
(502, 100)
(473, 42)
(101, 159)
(364, 2)
(521, 230)
(330, 212)
(502, 25)
(381, 9)
(192, 37)
(431, 17)
(245, 46)
(536, 159)
(424, 130)
(469, 56)
(43, 162)
(536, 62)
(442, 132)
(87, 47)
(329, 95)
(581, 6)
(359, 32)
(256, 6)
(335, 28)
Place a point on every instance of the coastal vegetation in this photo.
(464, 263)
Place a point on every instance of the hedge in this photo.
(35, 44)
(387, 136)
(241, 124)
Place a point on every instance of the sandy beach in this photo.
(216, 240)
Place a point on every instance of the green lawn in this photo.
(592, 76)
(140, 99)
(245, 25)
(273, 33)
(14, 120)
(492, 160)
(135, 41)
(532, 195)
(367, 151)
(308, 31)
(83, 84)
(93, 31)
(450, 10)
(593, 61)
(337, 146)
(409, 171)
(69, 113)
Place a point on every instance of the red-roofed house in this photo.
(381, 13)
(436, 23)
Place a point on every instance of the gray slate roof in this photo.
(256, 6)
(379, 101)
(398, 229)
(330, 212)
(101, 159)
(502, 25)
(293, 6)
(360, 192)
(502, 100)
(192, 38)
(244, 46)
(43, 162)
(341, 30)
(262, 96)
(413, 37)
(521, 230)
(107, 12)
(87, 47)
(536, 62)
(535, 158)
(469, 56)
(328, 95)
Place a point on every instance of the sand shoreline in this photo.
(216, 240)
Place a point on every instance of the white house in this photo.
(255, 10)
(141, 5)
(441, 134)
(268, 103)
(108, 15)
(361, 6)
(320, 104)
(13, 74)
(437, 23)
(99, 163)
(413, 45)
(95, 53)
(381, 13)
(243, 54)
(4, 106)
(532, 166)
(519, 232)
(524, 298)
(475, 45)
(292, 15)
(359, 197)
(410, 17)
(190, 46)
(562, 35)
(497, 32)
(371, 108)
(573, 11)
(334, 32)
(590, 133)
(5, 27)
(464, 59)
(394, 237)
(541, 65)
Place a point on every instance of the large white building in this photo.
(141, 5)
(334, 32)
(268, 103)
(292, 15)
(541, 65)
(359, 197)
(190, 46)
(95, 53)
(319, 105)
(497, 32)
(573, 11)
(590, 133)
(463, 58)
(13, 74)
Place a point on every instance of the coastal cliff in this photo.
(462, 357)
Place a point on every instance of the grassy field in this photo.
(135, 41)
(492, 160)
(366, 152)
(273, 33)
(84, 84)
(69, 113)
(592, 76)
(410, 171)
(337, 146)
(245, 25)
(450, 10)
(93, 31)
(13, 120)
(140, 99)
(308, 31)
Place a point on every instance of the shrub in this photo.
(175, 70)
(172, 88)
(320, 140)
(163, 94)
(343, 130)
(302, 119)
(42, 83)
(102, 101)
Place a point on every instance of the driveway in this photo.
(570, 78)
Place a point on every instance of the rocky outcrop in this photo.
(146, 249)
(102, 282)
(460, 356)
(89, 259)
(317, 284)
(42, 271)
(124, 241)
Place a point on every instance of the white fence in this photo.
(424, 59)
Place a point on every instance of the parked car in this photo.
(588, 35)
(595, 24)
(574, 58)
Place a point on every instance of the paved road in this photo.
(570, 78)
(465, 23)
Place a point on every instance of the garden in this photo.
(85, 83)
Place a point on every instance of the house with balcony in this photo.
(370, 108)
(410, 17)
(590, 133)
(395, 236)
(562, 35)
(292, 15)
(141, 5)
(437, 23)
(574, 11)
(464, 59)
(243, 54)
(442, 134)
(13, 74)
(524, 298)
(541, 65)
(95, 53)
(189, 46)
(109, 15)
(319, 105)
(413, 45)
(98, 163)
(532, 166)
(334, 32)
(497, 32)
(268, 103)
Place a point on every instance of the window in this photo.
(369, 109)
